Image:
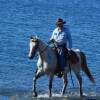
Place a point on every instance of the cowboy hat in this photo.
(60, 21)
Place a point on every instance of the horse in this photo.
(47, 64)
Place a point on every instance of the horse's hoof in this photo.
(81, 95)
(35, 94)
(62, 94)
(50, 95)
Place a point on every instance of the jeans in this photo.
(61, 56)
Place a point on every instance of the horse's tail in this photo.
(85, 68)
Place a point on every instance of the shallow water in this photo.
(28, 96)
(21, 19)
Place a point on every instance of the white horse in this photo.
(47, 63)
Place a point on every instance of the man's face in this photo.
(60, 25)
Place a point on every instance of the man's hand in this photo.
(52, 41)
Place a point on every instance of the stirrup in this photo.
(60, 74)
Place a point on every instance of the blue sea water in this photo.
(19, 19)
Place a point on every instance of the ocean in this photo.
(20, 19)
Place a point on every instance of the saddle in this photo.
(70, 56)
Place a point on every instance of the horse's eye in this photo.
(34, 40)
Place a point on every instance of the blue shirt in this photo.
(62, 37)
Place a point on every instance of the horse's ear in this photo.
(31, 37)
(36, 37)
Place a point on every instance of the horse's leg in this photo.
(50, 84)
(80, 83)
(38, 74)
(65, 80)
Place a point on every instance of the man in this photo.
(62, 37)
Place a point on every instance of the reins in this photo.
(47, 47)
(44, 49)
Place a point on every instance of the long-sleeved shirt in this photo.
(62, 37)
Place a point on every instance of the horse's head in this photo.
(33, 46)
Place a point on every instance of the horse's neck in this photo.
(42, 48)
(46, 55)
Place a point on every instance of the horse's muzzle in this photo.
(30, 57)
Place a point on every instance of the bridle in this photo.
(37, 46)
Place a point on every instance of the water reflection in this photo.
(13, 98)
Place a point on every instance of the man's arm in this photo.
(52, 36)
(51, 40)
(69, 39)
